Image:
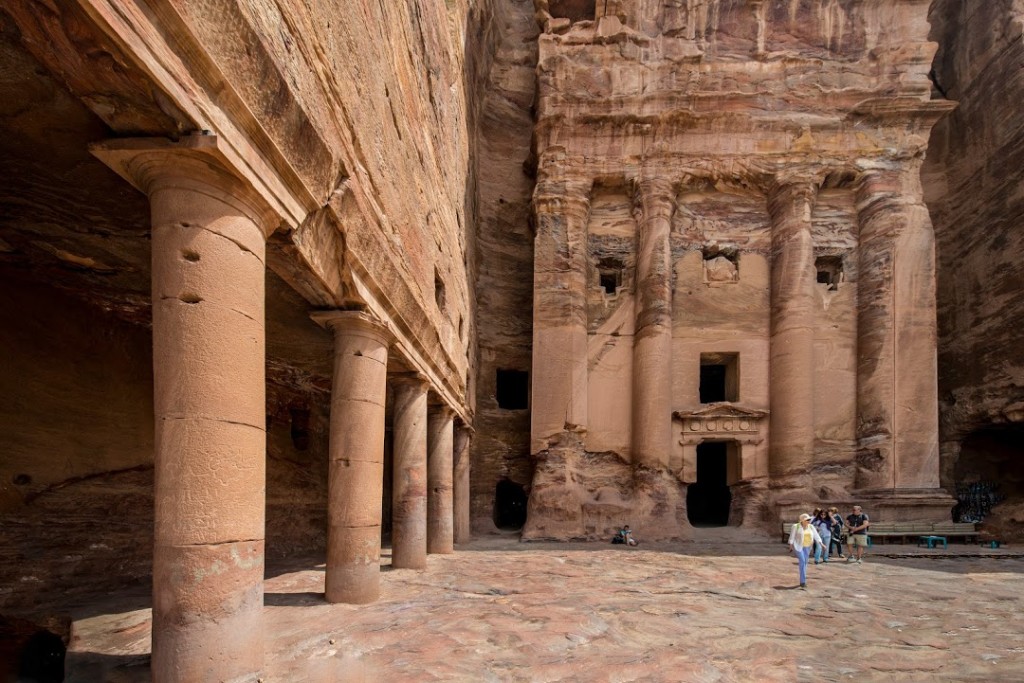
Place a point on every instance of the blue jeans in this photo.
(822, 548)
(801, 557)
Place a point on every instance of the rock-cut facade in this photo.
(734, 268)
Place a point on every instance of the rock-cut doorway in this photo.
(709, 499)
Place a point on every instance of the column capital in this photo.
(353, 322)
(195, 162)
(563, 195)
(414, 380)
(653, 197)
(794, 186)
(441, 410)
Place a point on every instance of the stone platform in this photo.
(723, 608)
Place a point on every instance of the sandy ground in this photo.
(724, 608)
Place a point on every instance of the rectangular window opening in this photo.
(721, 263)
(719, 377)
(512, 389)
(830, 271)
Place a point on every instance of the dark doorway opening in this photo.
(509, 505)
(512, 389)
(712, 383)
(709, 499)
(990, 471)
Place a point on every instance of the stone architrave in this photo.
(440, 442)
(559, 397)
(791, 360)
(356, 476)
(409, 482)
(897, 400)
(652, 340)
(209, 232)
(460, 484)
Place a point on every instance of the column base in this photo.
(906, 505)
(881, 505)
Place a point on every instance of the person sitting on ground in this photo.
(624, 536)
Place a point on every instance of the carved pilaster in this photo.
(652, 341)
(897, 403)
(559, 395)
(791, 361)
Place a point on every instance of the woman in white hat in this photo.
(801, 541)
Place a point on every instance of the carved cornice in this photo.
(722, 421)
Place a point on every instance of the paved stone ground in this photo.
(721, 609)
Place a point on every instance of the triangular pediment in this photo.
(722, 410)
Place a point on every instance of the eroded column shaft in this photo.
(897, 390)
(409, 483)
(210, 407)
(440, 440)
(652, 343)
(791, 361)
(559, 381)
(461, 490)
(356, 474)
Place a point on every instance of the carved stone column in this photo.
(461, 495)
(356, 476)
(209, 233)
(791, 361)
(559, 396)
(409, 487)
(897, 401)
(652, 343)
(440, 524)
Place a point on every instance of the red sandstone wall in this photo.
(973, 182)
(504, 283)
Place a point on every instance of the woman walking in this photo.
(801, 539)
(823, 524)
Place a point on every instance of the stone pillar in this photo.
(356, 475)
(440, 523)
(897, 387)
(652, 342)
(461, 494)
(409, 483)
(209, 233)
(559, 396)
(791, 360)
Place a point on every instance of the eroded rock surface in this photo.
(724, 609)
(973, 181)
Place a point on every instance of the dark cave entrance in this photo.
(509, 505)
(988, 471)
(709, 499)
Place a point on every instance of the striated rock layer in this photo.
(733, 266)
(974, 194)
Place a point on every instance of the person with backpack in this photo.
(838, 531)
(857, 532)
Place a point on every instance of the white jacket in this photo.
(796, 536)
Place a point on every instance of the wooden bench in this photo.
(882, 531)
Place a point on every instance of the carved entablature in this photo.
(722, 421)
